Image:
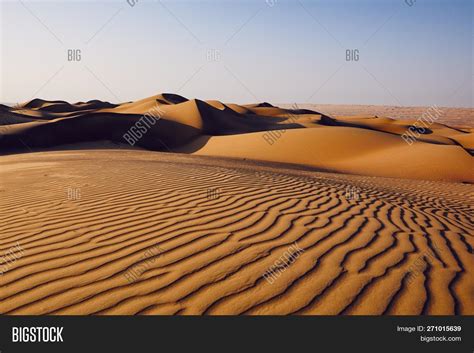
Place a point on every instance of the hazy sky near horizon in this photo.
(278, 51)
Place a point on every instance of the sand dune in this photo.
(459, 117)
(202, 232)
(364, 145)
(173, 206)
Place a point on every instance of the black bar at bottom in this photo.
(314, 334)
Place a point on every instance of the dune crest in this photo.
(365, 145)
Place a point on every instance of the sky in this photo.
(391, 52)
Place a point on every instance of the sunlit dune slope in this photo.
(365, 145)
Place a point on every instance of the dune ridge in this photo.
(362, 145)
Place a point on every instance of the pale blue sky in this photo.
(278, 51)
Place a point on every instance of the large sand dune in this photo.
(231, 209)
(365, 145)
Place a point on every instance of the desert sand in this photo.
(361, 145)
(203, 212)
(458, 117)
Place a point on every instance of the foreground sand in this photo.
(203, 232)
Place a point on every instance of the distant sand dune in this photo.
(458, 117)
(371, 245)
(362, 145)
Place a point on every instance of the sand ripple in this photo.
(371, 245)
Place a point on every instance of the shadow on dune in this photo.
(57, 123)
(163, 136)
(174, 98)
(65, 107)
(228, 122)
(327, 121)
